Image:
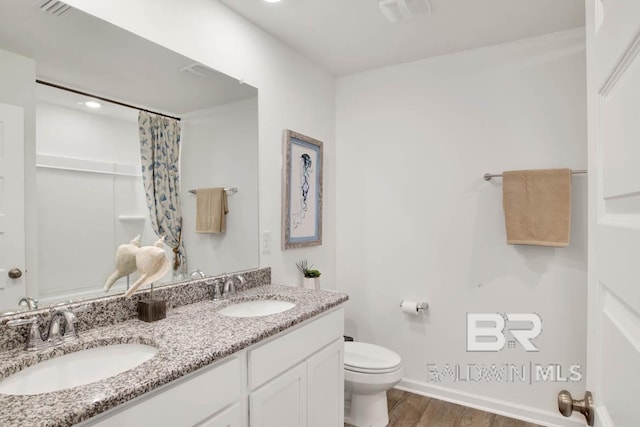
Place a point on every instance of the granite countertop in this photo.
(191, 337)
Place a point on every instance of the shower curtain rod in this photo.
(102, 98)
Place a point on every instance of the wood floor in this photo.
(411, 410)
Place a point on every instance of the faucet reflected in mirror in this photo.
(83, 166)
(197, 274)
(32, 304)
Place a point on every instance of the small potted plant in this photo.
(310, 276)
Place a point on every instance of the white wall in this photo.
(293, 94)
(417, 221)
(219, 147)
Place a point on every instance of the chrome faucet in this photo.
(230, 286)
(32, 304)
(55, 335)
(217, 289)
(70, 320)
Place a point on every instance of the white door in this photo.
(12, 251)
(613, 74)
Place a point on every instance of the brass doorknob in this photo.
(566, 405)
(15, 273)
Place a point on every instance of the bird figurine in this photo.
(152, 264)
(125, 262)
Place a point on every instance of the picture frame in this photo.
(301, 191)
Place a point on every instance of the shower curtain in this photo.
(160, 154)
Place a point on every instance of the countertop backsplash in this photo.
(114, 309)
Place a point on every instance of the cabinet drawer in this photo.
(184, 402)
(275, 357)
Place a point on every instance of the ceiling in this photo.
(349, 36)
(88, 54)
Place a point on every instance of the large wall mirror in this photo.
(84, 176)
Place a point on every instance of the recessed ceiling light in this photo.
(272, 1)
(92, 104)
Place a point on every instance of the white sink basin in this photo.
(263, 307)
(78, 368)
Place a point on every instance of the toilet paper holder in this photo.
(420, 306)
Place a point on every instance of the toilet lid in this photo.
(369, 358)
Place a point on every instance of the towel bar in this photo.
(232, 190)
(488, 176)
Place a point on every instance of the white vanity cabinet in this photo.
(298, 379)
(294, 379)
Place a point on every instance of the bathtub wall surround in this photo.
(115, 309)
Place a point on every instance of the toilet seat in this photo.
(369, 358)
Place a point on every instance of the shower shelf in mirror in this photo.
(131, 218)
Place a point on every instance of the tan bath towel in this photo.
(211, 209)
(537, 206)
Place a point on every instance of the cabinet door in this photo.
(282, 402)
(227, 418)
(325, 386)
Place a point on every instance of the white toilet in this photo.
(369, 371)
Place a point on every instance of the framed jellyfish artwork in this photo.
(301, 191)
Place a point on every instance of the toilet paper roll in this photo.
(410, 307)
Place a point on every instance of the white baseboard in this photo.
(496, 406)
(603, 417)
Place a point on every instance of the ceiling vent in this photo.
(200, 70)
(52, 7)
(403, 10)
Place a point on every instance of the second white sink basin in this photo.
(256, 308)
(78, 368)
